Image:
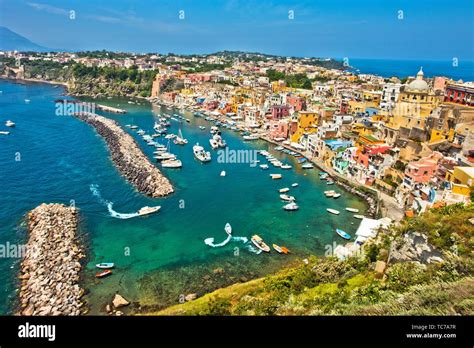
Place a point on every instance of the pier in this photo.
(128, 157)
(50, 269)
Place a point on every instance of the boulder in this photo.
(119, 301)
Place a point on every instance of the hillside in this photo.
(327, 286)
(11, 41)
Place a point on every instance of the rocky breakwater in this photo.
(50, 268)
(128, 157)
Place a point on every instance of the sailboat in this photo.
(180, 140)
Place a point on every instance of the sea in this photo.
(183, 249)
(455, 68)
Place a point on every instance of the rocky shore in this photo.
(128, 157)
(50, 269)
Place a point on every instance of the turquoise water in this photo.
(161, 256)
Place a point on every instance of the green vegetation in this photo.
(328, 286)
(293, 81)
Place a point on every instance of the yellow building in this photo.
(462, 179)
(415, 103)
(307, 123)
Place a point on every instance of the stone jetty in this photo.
(128, 157)
(49, 272)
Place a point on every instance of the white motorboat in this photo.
(276, 163)
(202, 127)
(333, 211)
(228, 229)
(148, 210)
(307, 166)
(352, 210)
(329, 194)
(251, 137)
(4, 133)
(201, 154)
(286, 166)
(291, 206)
(294, 184)
(141, 132)
(287, 198)
(336, 195)
(264, 166)
(283, 190)
(214, 143)
(358, 216)
(223, 173)
(172, 163)
(275, 176)
(180, 140)
(170, 136)
(10, 123)
(214, 130)
(164, 156)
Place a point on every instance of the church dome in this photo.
(418, 84)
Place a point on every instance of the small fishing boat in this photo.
(276, 176)
(330, 182)
(329, 194)
(277, 248)
(279, 148)
(264, 166)
(360, 217)
(148, 210)
(133, 127)
(287, 198)
(141, 132)
(291, 206)
(10, 123)
(251, 137)
(294, 184)
(333, 211)
(223, 173)
(286, 166)
(336, 195)
(105, 265)
(202, 127)
(284, 189)
(4, 133)
(228, 229)
(352, 210)
(284, 250)
(307, 166)
(259, 243)
(164, 156)
(103, 274)
(343, 234)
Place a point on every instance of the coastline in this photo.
(13, 79)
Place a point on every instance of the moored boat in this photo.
(259, 243)
(10, 123)
(172, 163)
(343, 234)
(294, 184)
(284, 250)
(352, 210)
(291, 206)
(276, 176)
(103, 274)
(264, 166)
(105, 265)
(277, 248)
(287, 198)
(360, 217)
(284, 189)
(336, 195)
(333, 211)
(201, 154)
(307, 166)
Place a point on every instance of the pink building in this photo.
(279, 111)
(421, 171)
(278, 129)
(298, 103)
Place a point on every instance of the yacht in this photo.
(201, 154)
(148, 210)
(287, 198)
(180, 140)
(164, 156)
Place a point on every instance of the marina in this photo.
(166, 257)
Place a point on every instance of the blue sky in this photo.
(431, 29)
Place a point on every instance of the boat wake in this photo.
(95, 191)
(230, 238)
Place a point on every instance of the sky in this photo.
(395, 29)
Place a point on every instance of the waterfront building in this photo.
(460, 93)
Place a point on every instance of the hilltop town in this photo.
(410, 138)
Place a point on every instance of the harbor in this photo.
(160, 256)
